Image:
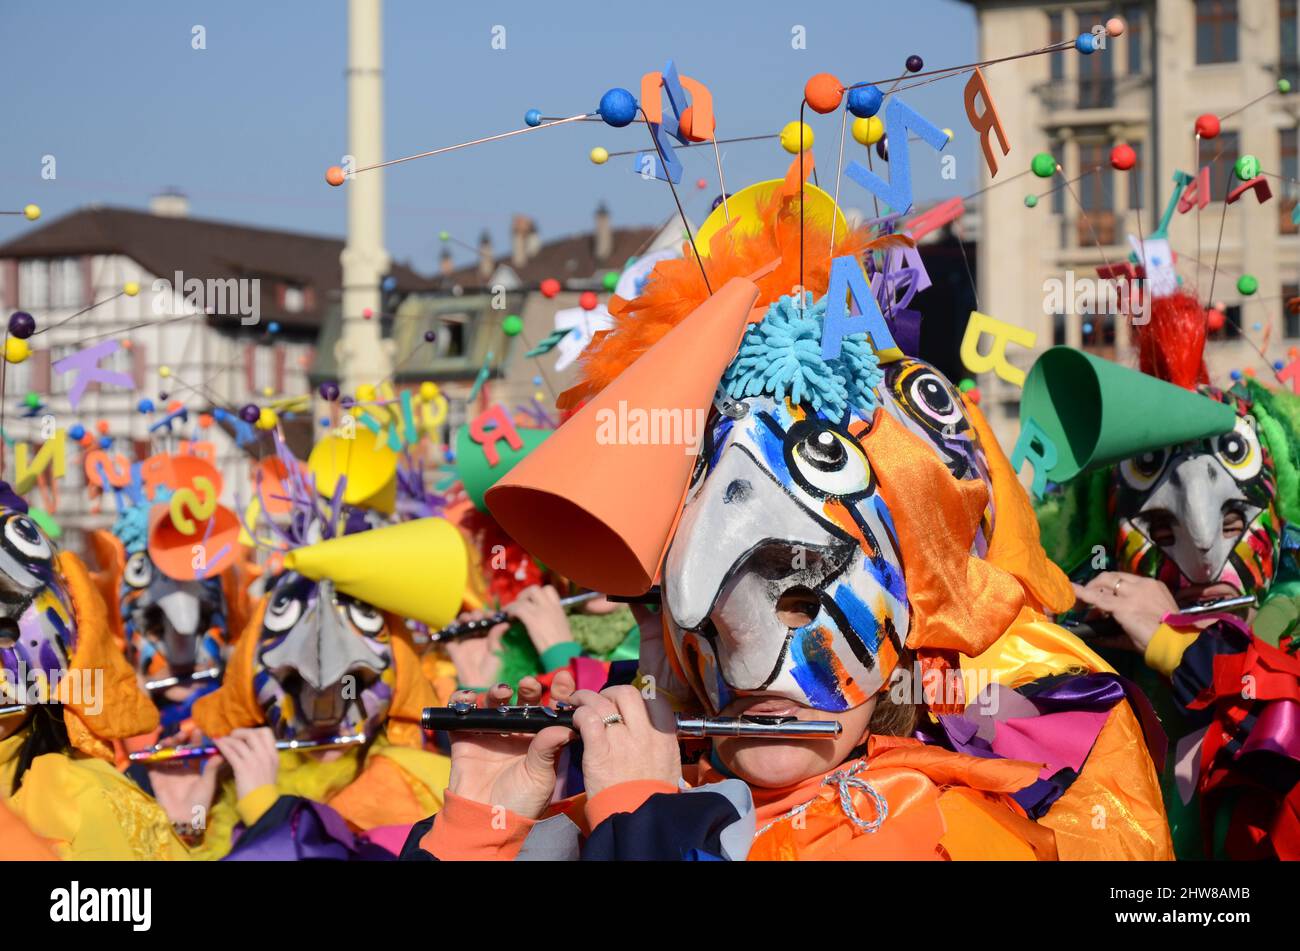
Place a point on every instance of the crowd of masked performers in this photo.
(1013, 676)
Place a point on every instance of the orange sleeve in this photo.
(625, 797)
(466, 830)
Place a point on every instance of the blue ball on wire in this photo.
(145, 406)
(533, 117)
(1235, 374)
(617, 107)
(864, 101)
(1086, 43)
(1278, 365)
(105, 442)
(77, 431)
(273, 327)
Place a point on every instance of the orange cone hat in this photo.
(598, 500)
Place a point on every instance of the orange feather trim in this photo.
(675, 288)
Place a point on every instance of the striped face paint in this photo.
(784, 577)
(38, 633)
(1201, 517)
(324, 666)
(923, 400)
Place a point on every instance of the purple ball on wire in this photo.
(21, 324)
(882, 148)
(329, 392)
(430, 336)
(915, 64)
(249, 413)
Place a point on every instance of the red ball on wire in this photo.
(1207, 126)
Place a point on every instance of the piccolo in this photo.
(479, 627)
(467, 718)
(167, 754)
(1108, 626)
(154, 686)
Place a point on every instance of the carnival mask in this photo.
(173, 628)
(1200, 517)
(784, 577)
(38, 632)
(324, 665)
(924, 401)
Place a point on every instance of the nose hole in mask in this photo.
(797, 606)
(738, 491)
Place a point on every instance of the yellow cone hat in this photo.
(415, 569)
(368, 464)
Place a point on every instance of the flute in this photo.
(1108, 626)
(167, 754)
(153, 686)
(479, 628)
(467, 718)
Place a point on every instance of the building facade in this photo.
(248, 335)
(1177, 60)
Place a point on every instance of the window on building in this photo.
(1291, 318)
(1289, 51)
(1136, 178)
(1290, 170)
(67, 287)
(1096, 88)
(1055, 35)
(1223, 154)
(1135, 20)
(294, 300)
(1058, 194)
(1231, 329)
(1060, 330)
(1216, 31)
(450, 329)
(1097, 219)
(263, 369)
(33, 284)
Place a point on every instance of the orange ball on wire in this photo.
(824, 93)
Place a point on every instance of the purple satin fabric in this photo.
(313, 832)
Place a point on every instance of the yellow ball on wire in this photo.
(164, 372)
(599, 156)
(131, 288)
(868, 131)
(267, 418)
(31, 212)
(790, 137)
(16, 350)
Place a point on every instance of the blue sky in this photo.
(247, 126)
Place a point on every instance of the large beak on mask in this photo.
(744, 544)
(321, 647)
(1197, 492)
